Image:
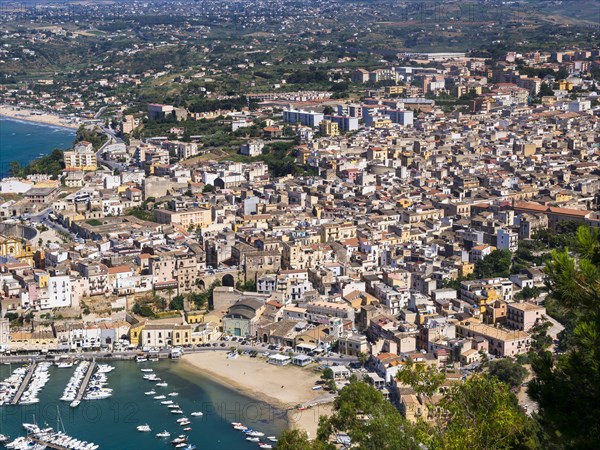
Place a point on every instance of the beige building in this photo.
(82, 157)
(502, 343)
(523, 316)
(191, 217)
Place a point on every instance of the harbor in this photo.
(207, 409)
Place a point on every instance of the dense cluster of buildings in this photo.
(406, 200)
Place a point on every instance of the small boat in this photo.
(74, 403)
(174, 406)
(141, 358)
(253, 433)
(252, 439)
(187, 429)
(179, 439)
(163, 384)
(163, 434)
(176, 411)
(190, 447)
(183, 424)
(181, 445)
(159, 397)
(148, 370)
(240, 428)
(152, 392)
(4, 438)
(197, 413)
(173, 394)
(236, 424)
(166, 402)
(182, 419)
(65, 365)
(144, 428)
(272, 438)
(265, 445)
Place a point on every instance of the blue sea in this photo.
(25, 141)
(111, 423)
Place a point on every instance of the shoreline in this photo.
(28, 115)
(263, 383)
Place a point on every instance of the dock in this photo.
(47, 444)
(24, 384)
(86, 380)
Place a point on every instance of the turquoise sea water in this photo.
(111, 423)
(24, 141)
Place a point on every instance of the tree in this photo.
(567, 388)
(328, 110)
(508, 372)
(293, 439)
(527, 293)
(176, 303)
(484, 414)
(546, 90)
(370, 420)
(496, 264)
(208, 188)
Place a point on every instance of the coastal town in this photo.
(308, 225)
(401, 233)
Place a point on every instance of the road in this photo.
(164, 353)
(112, 139)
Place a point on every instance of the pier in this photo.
(24, 384)
(85, 382)
(47, 444)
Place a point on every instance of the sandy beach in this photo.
(283, 387)
(35, 116)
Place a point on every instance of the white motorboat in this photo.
(147, 370)
(166, 402)
(65, 365)
(173, 394)
(253, 433)
(252, 439)
(152, 392)
(176, 411)
(265, 445)
(144, 428)
(187, 429)
(163, 434)
(174, 406)
(197, 413)
(159, 397)
(272, 438)
(162, 384)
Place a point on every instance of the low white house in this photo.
(279, 360)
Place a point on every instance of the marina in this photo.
(129, 408)
(84, 384)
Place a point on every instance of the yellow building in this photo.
(190, 217)
(81, 159)
(135, 333)
(194, 317)
(329, 128)
(16, 248)
(394, 89)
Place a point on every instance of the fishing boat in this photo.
(187, 429)
(144, 428)
(152, 392)
(182, 419)
(163, 434)
(197, 413)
